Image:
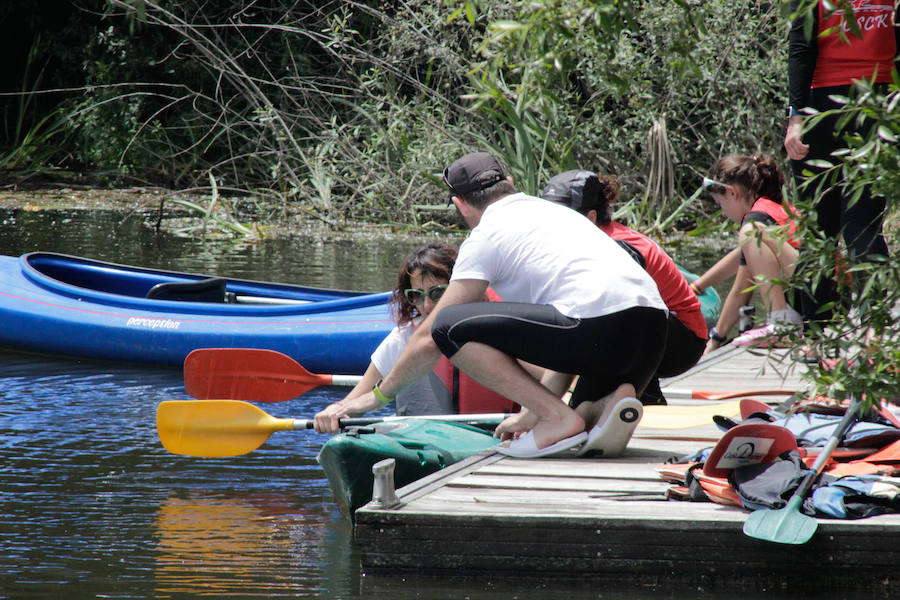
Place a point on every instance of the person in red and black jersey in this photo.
(820, 67)
(591, 195)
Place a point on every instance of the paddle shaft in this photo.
(833, 441)
(264, 375)
(216, 428)
(683, 394)
(483, 418)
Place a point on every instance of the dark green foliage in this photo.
(350, 109)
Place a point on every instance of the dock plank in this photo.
(608, 519)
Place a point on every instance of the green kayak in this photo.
(419, 446)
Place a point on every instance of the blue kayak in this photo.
(65, 305)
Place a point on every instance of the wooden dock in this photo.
(609, 519)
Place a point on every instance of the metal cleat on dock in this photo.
(384, 495)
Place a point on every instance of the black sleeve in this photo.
(758, 216)
(634, 252)
(897, 36)
(802, 52)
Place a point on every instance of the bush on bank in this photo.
(351, 109)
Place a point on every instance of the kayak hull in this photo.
(64, 305)
(420, 447)
(710, 301)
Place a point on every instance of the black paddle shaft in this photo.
(836, 437)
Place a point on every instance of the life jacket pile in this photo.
(861, 479)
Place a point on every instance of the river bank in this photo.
(181, 212)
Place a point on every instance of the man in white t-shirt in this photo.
(574, 302)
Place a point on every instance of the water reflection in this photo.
(212, 545)
(88, 496)
(354, 264)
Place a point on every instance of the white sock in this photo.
(785, 315)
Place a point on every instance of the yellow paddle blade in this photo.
(685, 417)
(213, 428)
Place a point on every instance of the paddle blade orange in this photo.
(247, 374)
(214, 428)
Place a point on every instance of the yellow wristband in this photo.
(694, 287)
(380, 395)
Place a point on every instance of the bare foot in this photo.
(516, 424)
(548, 431)
(592, 411)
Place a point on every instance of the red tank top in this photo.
(840, 60)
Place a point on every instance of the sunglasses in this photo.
(416, 296)
(712, 186)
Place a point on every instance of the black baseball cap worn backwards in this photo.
(473, 172)
(577, 189)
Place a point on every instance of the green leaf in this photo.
(886, 134)
(819, 163)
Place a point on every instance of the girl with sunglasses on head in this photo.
(748, 191)
(421, 282)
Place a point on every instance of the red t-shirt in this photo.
(673, 287)
(842, 60)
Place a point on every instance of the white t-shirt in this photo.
(389, 350)
(428, 395)
(535, 251)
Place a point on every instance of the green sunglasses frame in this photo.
(438, 290)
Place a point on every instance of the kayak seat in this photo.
(204, 290)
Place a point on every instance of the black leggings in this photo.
(607, 351)
(861, 223)
(683, 350)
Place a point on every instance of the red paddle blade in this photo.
(750, 406)
(748, 444)
(888, 454)
(247, 374)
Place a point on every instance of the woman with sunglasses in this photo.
(748, 191)
(421, 282)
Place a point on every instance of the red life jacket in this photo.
(782, 214)
(840, 61)
(469, 396)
